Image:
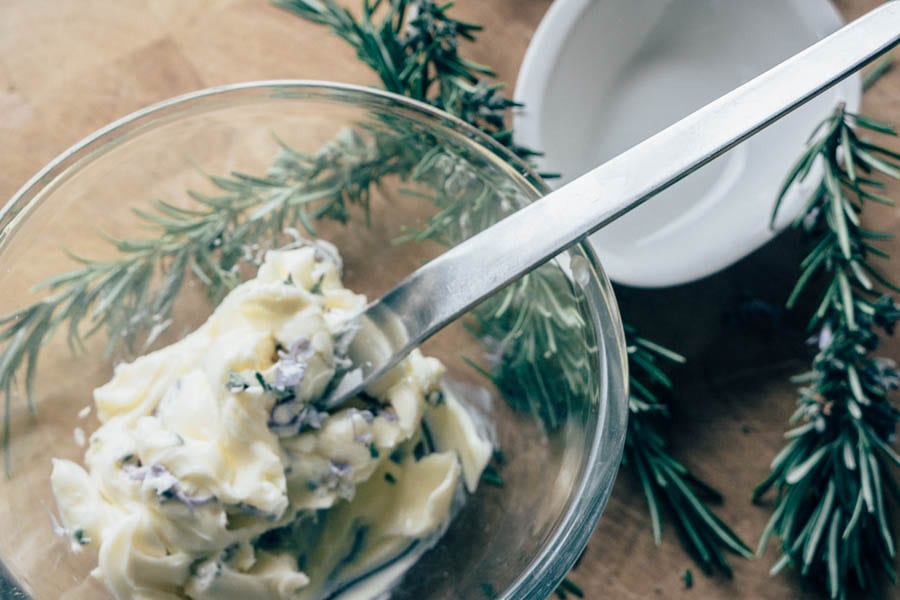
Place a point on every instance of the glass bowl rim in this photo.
(576, 525)
(19, 203)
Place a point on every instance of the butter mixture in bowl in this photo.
(215, 475)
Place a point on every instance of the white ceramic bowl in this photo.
(602, 75)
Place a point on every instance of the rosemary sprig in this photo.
(413, 47)
(664, 480)
(535, 333)
(420, 58)
(834, 477)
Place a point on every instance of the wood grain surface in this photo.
(69, 67)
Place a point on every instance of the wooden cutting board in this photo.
(67, 68)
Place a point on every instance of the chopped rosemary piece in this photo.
(262, 382)
(435, 398)
(80, 537)
(491, 476)
(317, 286)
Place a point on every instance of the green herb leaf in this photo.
(838, 461)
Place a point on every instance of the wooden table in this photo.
(67, 68)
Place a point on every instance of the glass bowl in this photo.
(559, 405)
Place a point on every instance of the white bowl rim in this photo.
(540, 60)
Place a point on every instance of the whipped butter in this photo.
(215, 475)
